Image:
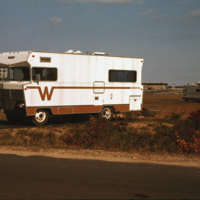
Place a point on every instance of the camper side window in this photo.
(46, 74)
(51, 74)
(122, 76)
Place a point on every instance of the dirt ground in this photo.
(169, 103)
(161, 103)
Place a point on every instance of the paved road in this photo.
(50, 178)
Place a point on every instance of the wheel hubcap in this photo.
(107, 113)
(40, 116)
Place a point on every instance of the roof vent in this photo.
(98, 53)
(73, 52)
(77, 52)
(70, 51)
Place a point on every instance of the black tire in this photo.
(107, 113)
(41, 118)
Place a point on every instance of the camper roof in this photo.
(5, 56)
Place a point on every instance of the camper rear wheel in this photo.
(41, 117)
(107, 113)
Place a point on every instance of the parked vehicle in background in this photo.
(40, 84)
(191, 92)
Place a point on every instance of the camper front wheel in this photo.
(41, 117)
(107, 113)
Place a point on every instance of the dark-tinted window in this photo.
(197, 90)
(15, 73)
(122, 76)
(46, 74)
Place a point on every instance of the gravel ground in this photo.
(141, 157)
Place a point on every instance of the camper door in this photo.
(98, 90)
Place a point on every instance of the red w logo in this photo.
(45, 94)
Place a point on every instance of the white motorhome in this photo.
(39, 84)
(191, 92)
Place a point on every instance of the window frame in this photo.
(120, 70)
(45, 59)
(45, 68)
(10, 77)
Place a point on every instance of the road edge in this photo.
(102, 155)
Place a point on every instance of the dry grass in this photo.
(166, 104)
(120, 135)
(2, 116)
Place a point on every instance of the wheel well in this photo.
(45, 109)
(108, 107)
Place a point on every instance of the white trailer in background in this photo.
(39, 84)
(191, 92)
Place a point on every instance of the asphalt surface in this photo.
(38, 177)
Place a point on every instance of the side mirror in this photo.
(37, 78)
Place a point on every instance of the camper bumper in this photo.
(17, 107)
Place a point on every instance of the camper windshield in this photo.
(15, 73)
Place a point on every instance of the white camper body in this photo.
(42, 83)
(191, 92)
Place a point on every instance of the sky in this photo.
(166, 33)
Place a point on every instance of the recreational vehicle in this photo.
(191, 92)
(42, 84)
